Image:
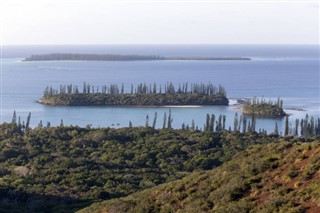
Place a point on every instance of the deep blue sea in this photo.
(289, 72)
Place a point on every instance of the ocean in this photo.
(290, 72)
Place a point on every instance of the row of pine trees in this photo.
(307, 127)
(304, 127)
(142, 88)
(241, 123)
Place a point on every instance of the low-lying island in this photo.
(262, 108)
(142, 96)
(113, 57)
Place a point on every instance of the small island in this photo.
(141, 95)
(263, 108)
(114, 57)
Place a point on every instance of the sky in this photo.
(34, 22)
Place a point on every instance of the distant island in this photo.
(263, 108)
(114, 57)
(142, 95)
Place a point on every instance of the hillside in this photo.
(63, 169)
(276, 177)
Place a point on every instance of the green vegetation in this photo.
(112, 57)
(262, 108)
(275, 177)
(142, 95)
(66, 168)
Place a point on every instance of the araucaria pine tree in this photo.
(154, 120)
(286, 129)
(164, 120)
(14, 117)
(207, 126)
(276, 129)
(147, 121)
(28, 120)
(211, 126)
(170, 119)
(193, 125)
(235, 122)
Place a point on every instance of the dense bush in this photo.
(67, 166)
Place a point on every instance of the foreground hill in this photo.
(63, 169)
(276, 177)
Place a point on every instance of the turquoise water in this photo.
(289, 72)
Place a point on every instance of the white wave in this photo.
(233, 102)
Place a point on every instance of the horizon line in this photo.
(163, 44)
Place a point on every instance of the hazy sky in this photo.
(159, 22)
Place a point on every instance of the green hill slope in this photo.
(275, 177)
(64, 169)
